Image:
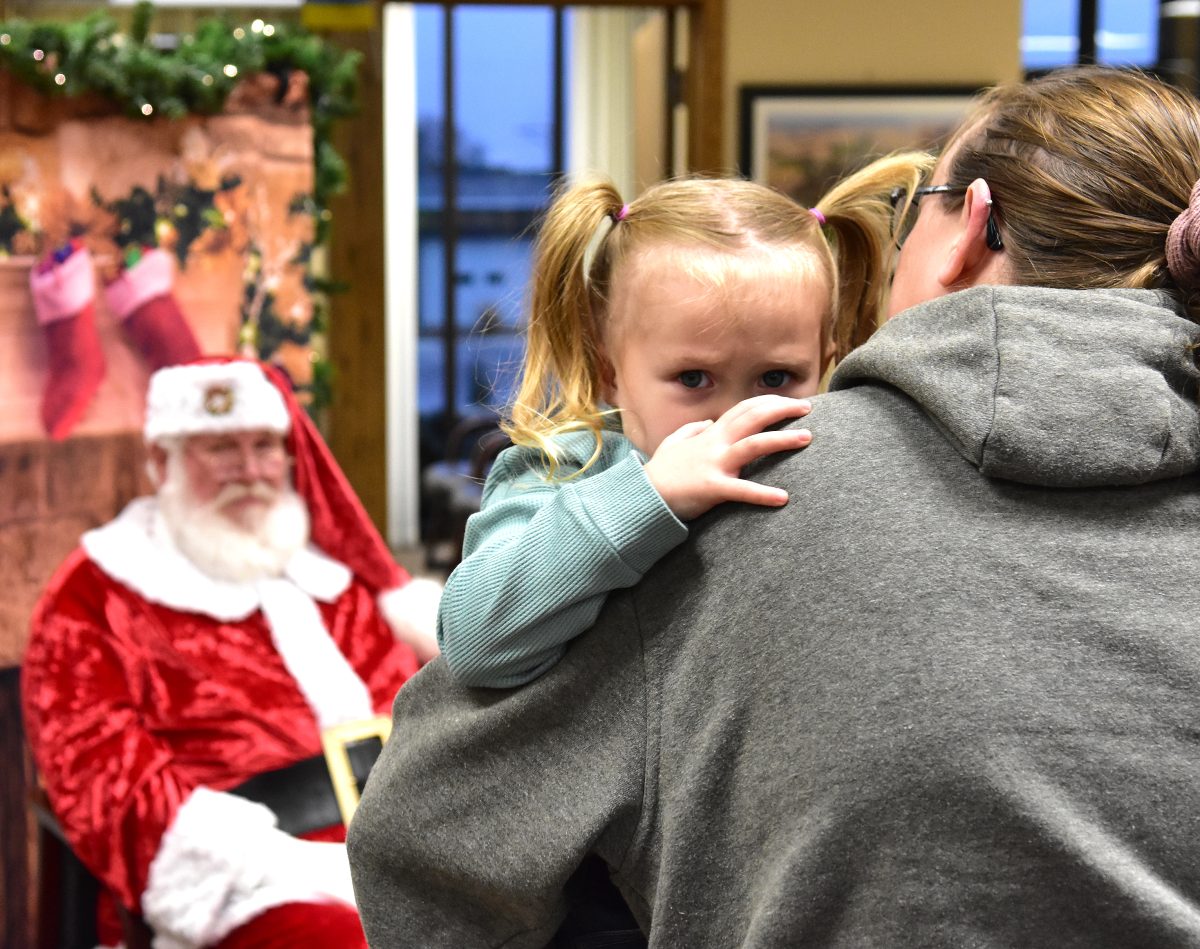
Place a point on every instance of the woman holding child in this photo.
(948, 694)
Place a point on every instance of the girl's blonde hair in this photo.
(1088, 167)
(588, 233)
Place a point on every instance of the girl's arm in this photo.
(540, 557)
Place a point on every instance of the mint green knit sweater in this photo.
(541, 555)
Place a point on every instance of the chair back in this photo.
(67, 892)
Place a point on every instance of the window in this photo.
(1123, 33)
(493, 105)
(456, 281)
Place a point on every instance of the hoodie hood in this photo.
(1061, 388)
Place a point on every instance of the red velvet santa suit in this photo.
(146, 679)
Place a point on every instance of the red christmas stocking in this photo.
(142, 300)
(64, 293)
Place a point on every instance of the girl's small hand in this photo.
(698, 466)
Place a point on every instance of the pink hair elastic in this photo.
(1183, 244)
(818, 215)
(620, 215)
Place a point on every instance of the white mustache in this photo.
(235, 492)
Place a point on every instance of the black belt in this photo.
(303, 795)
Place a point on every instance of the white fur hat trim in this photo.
(212, 398)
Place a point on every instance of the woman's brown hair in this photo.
(1088, 167)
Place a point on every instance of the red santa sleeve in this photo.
(109, 781)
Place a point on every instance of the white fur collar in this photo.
(136, 549)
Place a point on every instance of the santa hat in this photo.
(218, 394)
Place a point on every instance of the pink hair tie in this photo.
(1183, 244)
(620, 215)
(818, 215)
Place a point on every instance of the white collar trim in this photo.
(136, 549)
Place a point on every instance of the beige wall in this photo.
(871, 42)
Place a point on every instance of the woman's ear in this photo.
(975, 254)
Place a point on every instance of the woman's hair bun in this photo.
(1183, 244)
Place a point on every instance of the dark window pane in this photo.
(431, 368)
(431, 250)
(503, 168)
(430, 62)
(492, 298)
(487, 370)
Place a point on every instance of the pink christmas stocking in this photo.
(64, 293)
(142, 300)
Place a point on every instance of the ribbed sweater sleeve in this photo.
(541, 555)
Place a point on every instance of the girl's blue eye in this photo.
(693, 378)
(775, 378)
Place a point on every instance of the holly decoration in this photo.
(13, 227)
(185, 211)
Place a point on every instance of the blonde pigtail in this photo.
(561, 386)
(861, 227)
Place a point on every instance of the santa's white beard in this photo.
(223, 549)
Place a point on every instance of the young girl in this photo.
(656, 360)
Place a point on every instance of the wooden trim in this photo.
(705, 93)
(357, 332)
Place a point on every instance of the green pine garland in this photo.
(194, 77)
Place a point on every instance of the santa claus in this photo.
(186, 661)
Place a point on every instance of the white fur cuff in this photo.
(411, 611)
(223, 862)
(208, 855)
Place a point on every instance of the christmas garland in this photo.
(195, 75)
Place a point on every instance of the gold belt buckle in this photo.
(337, 759)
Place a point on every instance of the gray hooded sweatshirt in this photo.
(948, 696)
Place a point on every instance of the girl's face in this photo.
(683, 349)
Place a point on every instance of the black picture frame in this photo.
(802, 139)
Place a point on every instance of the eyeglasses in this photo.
(897, 197)
(229, 458)
(904, 223)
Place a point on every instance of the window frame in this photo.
(358, 418)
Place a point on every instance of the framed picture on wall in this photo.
(802, 139)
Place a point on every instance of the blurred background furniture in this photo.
(452, 488)
(67, 891)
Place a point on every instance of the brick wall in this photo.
(50, 493)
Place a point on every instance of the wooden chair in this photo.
(67, 892)
(451, 489)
